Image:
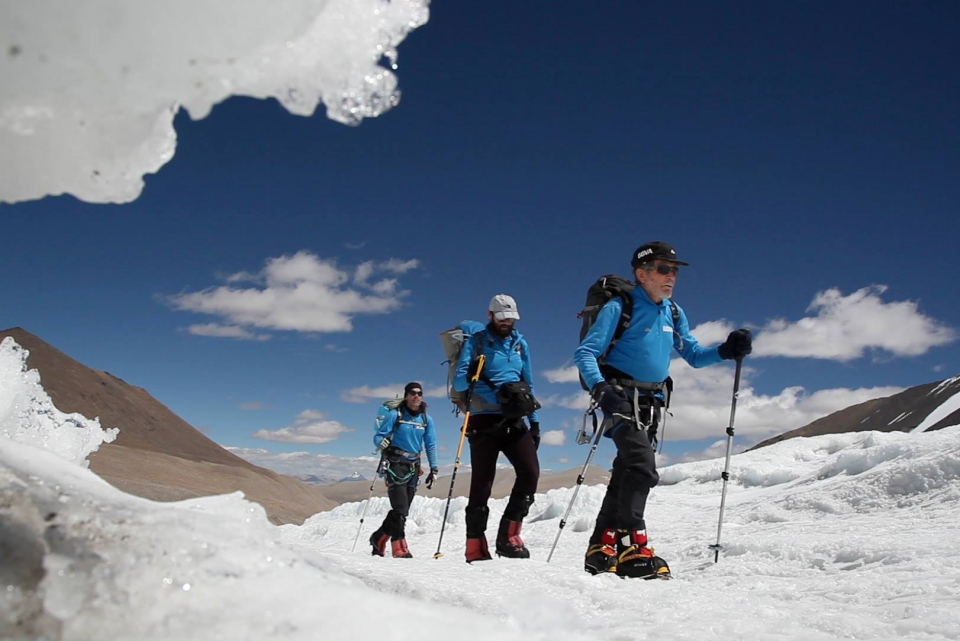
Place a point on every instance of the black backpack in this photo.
(605, 289)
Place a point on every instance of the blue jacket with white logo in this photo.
(414, 431)
(506, 360)
(643, 351)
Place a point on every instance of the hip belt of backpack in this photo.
(641, 395)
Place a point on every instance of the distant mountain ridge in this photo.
(157, 455)
(901, 412)
(313, 479)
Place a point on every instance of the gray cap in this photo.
(504, 307)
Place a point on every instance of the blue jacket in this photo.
(413, 432)
(506, 360)
(643, 351)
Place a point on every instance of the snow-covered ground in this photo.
(850, 536)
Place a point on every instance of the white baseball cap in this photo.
(504, 307)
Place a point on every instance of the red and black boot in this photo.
(635, 558)
(378, 541)
(400, 550)
(601, 556)
(477, 550)
(509, 543)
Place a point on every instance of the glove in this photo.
(535, 433)
(431, 477)
(472, 370)
(383, 444)
(610, 398)
(738, 344)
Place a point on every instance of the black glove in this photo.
(535, 433)
(431, 477)
(611, 399)
(738, 344)
(472, 370)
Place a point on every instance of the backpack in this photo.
(384, 411)
(605, 289)
(453, 341)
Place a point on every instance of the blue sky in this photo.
(282, 273)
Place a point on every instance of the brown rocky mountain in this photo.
(157, 455)
(898, 413)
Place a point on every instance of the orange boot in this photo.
(477, 549)
(378, 540)
(509, 543)
(400, 549)
(476, 518)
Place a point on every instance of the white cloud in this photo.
(566, 374)
(311, 426)
(576, 401)
(844, 328)
(252, 405)
(223, 331)
(553, 437)
(365, 393)
(712, 332)
(302, 292)
(326, 467)
(702, 399)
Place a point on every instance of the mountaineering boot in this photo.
(635, 559)
(509, 543)
(379, 542)
(400, 549)
(477, 549)
(476, 518)
(602, 556)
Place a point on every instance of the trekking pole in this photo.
(716, 547)
(596, 441)
(456, 462)
(365, 505)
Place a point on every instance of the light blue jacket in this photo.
(413, 432)
(643, 351)
(506, 360)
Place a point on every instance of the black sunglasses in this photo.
(415, 392)
(663, 270)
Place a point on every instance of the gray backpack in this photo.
(453, 341)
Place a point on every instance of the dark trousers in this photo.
(634, 474)
(401, 496)
(489, 436)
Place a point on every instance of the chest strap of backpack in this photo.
(478, 404)
(677, 339)
(396, 423)
(623, 324)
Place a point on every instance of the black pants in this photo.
(489, 436)
(634, 474)
(400, 491)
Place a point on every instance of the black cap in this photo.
(410, 387)
(655, 250)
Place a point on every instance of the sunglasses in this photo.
(663, 270)
(415, 392)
